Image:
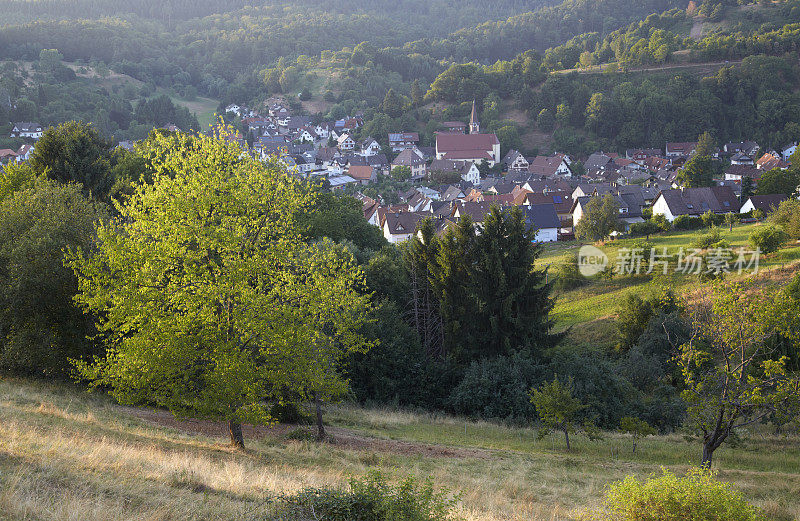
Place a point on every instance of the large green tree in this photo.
(512, 299)
(777, 181)
(696, 172)
(41, 328)
(600, 218)
(733, 376)
(210, 302)
(75, 152)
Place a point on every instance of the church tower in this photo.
(474, 124)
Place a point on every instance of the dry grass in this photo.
(68, 455)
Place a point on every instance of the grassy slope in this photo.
(591, 307)
(68, 455)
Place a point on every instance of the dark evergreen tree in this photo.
(513, 299)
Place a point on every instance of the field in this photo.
(65, 454)
(590, 308)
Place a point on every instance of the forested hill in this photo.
(540, 29)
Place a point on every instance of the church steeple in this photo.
(474, 124)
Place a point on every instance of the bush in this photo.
(644, 228)
(370, 498)
(568, 275)
(712, 239)
(686, 222)
(696, 497)
(768, 239)
(497, 389)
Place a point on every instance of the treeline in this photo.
(52, 93)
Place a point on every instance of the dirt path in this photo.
(337, 436)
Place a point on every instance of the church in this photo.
(474, 146)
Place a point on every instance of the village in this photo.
(551, 190)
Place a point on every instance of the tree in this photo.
(636, 428)
(392, 104)
(600, 218)
(556, 406)
(696, 172)
(730, 220)
(546, 120)
(41, 327)
(731, 375)
(209, 301)
(706, 146)
(417, 95)
(747, 189)
(75, 152)
(768, 239)
(401, 173)
(777, 181)
(513, 299)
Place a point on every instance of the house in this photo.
(766, 203)
(346, 143)
(598, 161)
(451, 193)
(323, 130)
(456, 127)
(468, 170)
(739, 172)
(307, 135)
(561, 201)
(543, 219)
(468, 147)
(24, 152)
(477, 211)
(684, 150)
(370, 147)
(413, 159)
(364, 174)
(234, 109)
(400, 226)
(695, 201)
(402, 140)
(630, 211)
(787, 151)
(770, 161)
(748, 148)
(27, 129)
(740, 158)
(7, 156)
(640, 154)
(513, 161)
(370, 209)
(550, 166)
(338, 182)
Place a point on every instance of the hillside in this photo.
(65, 454)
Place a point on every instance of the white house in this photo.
(400, 226)
(346, 143)
(27, 129)
(468, 147)
(695, 201)
(544, 219)
(370, 147)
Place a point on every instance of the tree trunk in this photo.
(708, 452)
(566, 436)
(320, 425)
(634, 445)
(235, 430)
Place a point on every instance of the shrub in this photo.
(644, 228)
(711, 219)
(686, 222)
(369, 498)
(768, 239)
(496, 389)
(696, 497)
(568, 275)
(712, 239)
